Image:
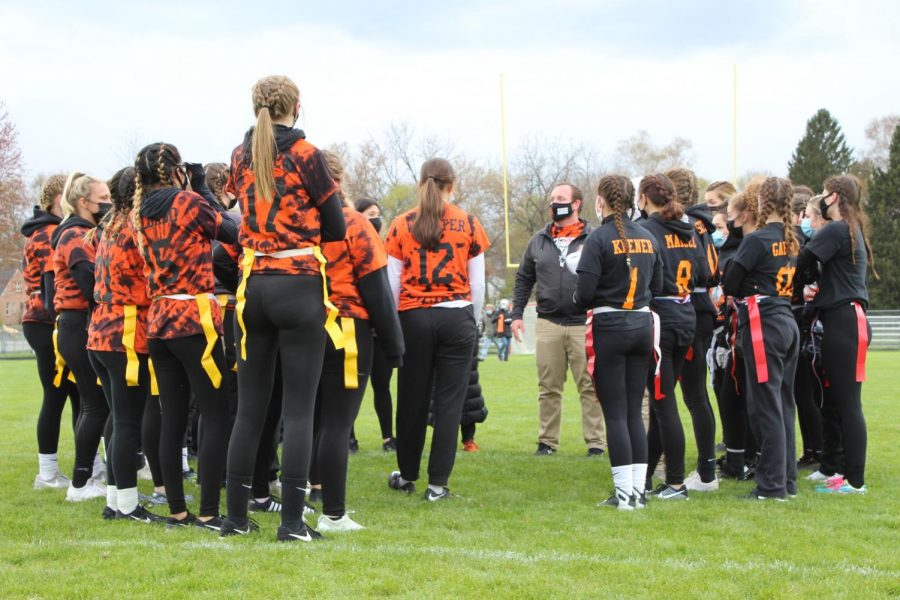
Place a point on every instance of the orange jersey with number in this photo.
(360, 252)
(439, 275)
(71, 249)
(291, 219)
(121, 279)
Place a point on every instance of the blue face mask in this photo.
(806, 226)
(718, 238)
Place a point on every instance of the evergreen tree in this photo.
(883, 209)
(821, 153)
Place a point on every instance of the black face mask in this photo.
(644, 214)
(102, 211)
(823, 208)
(560, 211)
(734, 230)
(376, 223)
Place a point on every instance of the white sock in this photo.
(48, 466)
(128, 500)
(437, 489)
(98, 466)
(638, 473)
(184, 463)
(622, 479)
(111, 497)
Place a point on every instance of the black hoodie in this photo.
(39, 219)
(683, 260)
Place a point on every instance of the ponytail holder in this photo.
(266, 106)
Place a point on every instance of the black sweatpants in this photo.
(770, 405)
(151, 425)
(181, 376)
(467, 432)
(40, 337)
(666, 434)
(336, 409)
(621, 361)
(127, 410)
(439, 345)
(696, 398)
(839, 351)
(381, 390)
(733, 412)
(283, 313)
(72, 341)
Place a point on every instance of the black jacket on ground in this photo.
(544, 265)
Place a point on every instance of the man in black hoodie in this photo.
(560, 328)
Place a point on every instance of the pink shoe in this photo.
(834, 482)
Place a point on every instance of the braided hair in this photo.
(660, 191)
(52, 188)
(121, 191)
(216, 178)
(274, 97)
(153, 169)
(617, 192)
(685, 182)
(776, 196)
(847, 189)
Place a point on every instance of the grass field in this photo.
(526, 527)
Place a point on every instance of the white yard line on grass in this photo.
(512, 556)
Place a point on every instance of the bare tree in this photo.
(638, 155)
(879, 133)
(13, 193)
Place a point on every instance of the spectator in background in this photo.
(484, 339)
(560, 328)
(502, 330)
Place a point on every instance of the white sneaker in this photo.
(820, 476)
(695, 484)
(144, 473)
(345, 523)
(57, 482)
(92, 489)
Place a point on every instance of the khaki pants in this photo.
(558, 349)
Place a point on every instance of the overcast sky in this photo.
(85, 82)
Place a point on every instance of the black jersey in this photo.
(605, 278)
(765, 257)
(683, 259)
(708, 275)
(842, 279)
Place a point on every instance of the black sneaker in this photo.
(229, 528)
(433, 496)
(756, 495)
(657, 490)
(314, 495)
(108, 514)
(809, 461)
(141, 515)
(173, 523)
(670, 493)
(354, 445)
(304, 533)
(595, 452)
(394, 483)
(269, 506)
(618, 501)
(189, 475)
(214, 524)
(544, 450)
(390, 445)
(746, 473)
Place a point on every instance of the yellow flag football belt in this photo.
(331, 326)
(60, 361)
(351, 378)
(209, 332)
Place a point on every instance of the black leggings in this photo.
(808, 395)
(336, 409)
(696, 398)
(180, 375)
(127, 409)
(439, 344)
(151, 424)
(666, 433)
(40, 338)
(72, 340)
(770, 405)
(621, 361)
(381, 389)
(844, 392)
(733, 412)
(267, 452)
(283, 313)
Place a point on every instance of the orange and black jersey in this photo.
(843, 276)
(684, 268)
(291, 219)
(360, 253)
(177, 228)
(763, 266)
(121, 280)
(440, 275)
(37, 261)
(605, 278)
(73, 265)
(709, 276)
